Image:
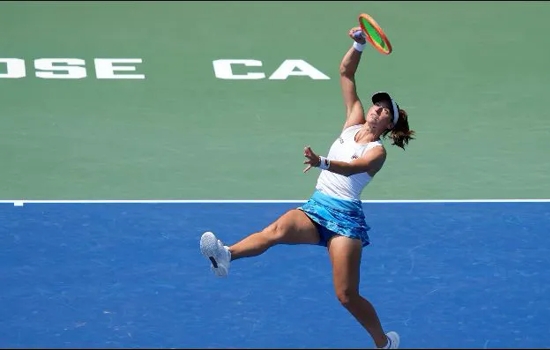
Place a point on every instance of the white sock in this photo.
(228, 252)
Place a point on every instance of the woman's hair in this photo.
(400, 134)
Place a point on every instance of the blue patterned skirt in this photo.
(335, 216)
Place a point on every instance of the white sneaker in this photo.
(393, 340)
(218, 254)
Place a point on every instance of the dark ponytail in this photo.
(401, 134)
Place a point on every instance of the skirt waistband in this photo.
(352, 206)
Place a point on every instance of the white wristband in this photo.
(324, 163)
(359, 47)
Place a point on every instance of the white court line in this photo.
(21, 202)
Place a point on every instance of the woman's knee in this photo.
(346, 295)
(275, 232)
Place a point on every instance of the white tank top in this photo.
(345, 149)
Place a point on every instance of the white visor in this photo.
(381, 96)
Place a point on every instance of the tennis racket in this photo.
(374, 34)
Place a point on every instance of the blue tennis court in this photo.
(461, 275)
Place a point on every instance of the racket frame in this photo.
(380, 32)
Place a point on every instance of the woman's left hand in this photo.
(312, 159)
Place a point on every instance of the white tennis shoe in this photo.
(218, 254)
(393, 340)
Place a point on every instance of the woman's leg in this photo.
(345, 255)
(293, 227)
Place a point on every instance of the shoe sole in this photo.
(207, 244)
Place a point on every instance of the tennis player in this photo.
(333, 217)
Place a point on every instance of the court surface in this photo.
(122, 141)
(460, 275)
